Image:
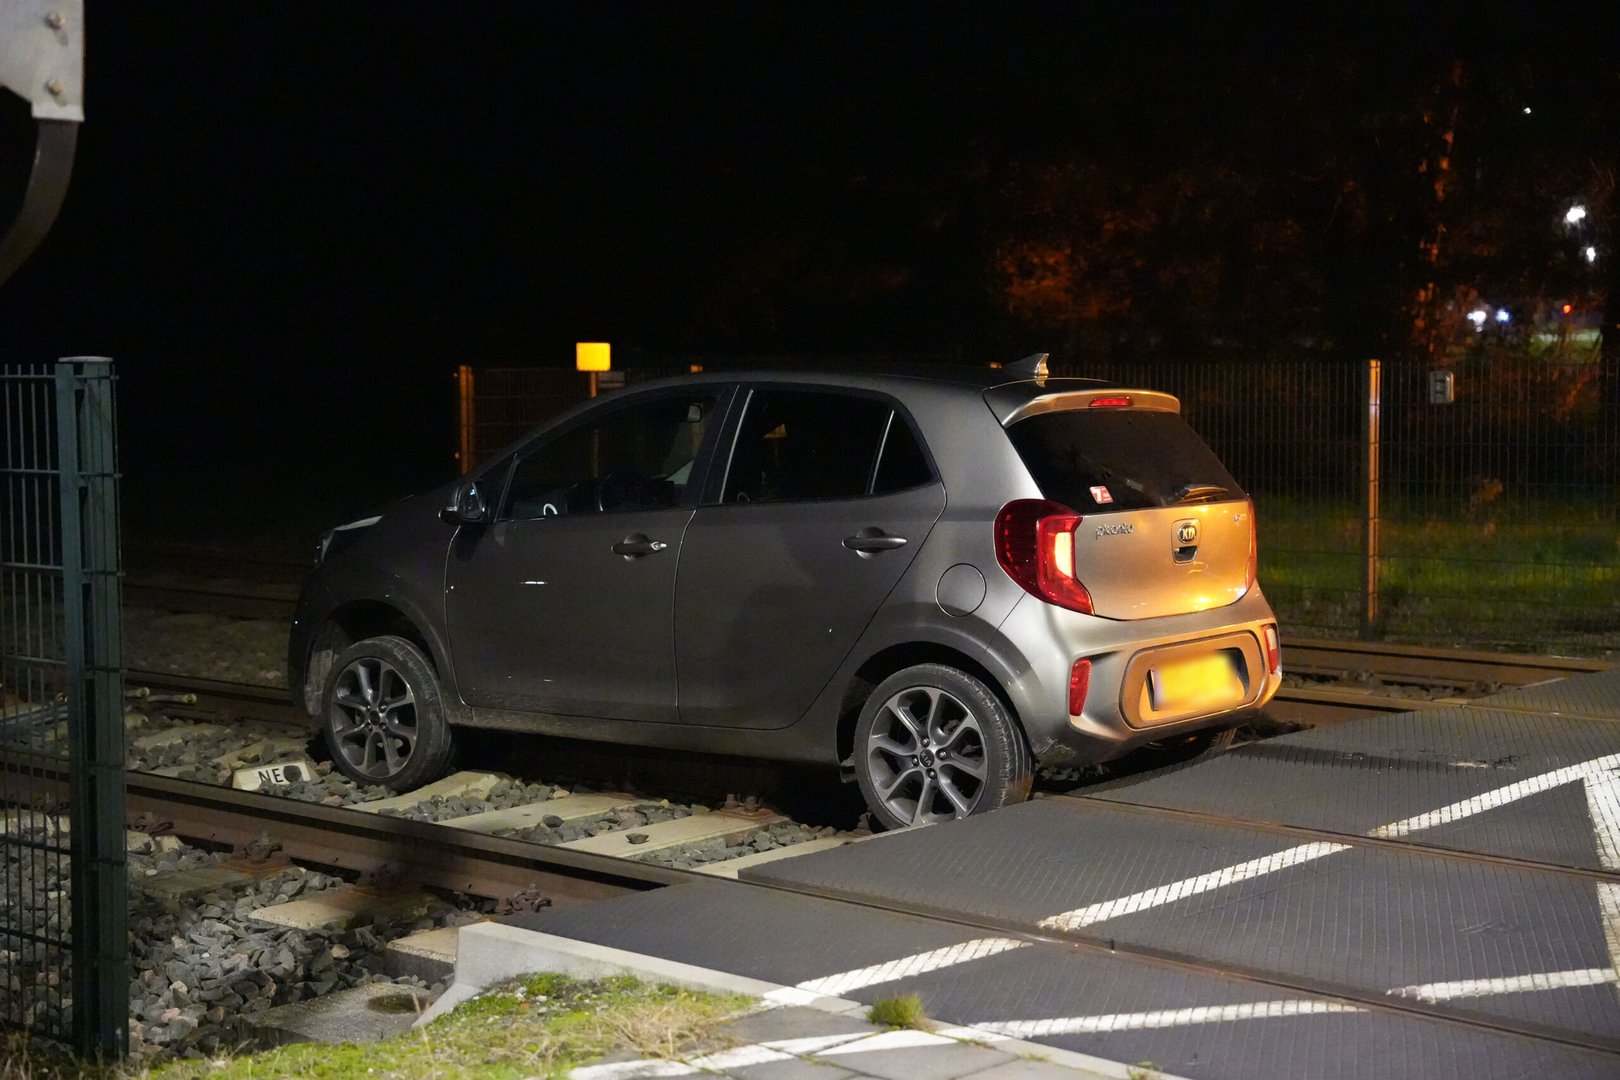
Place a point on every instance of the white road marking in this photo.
(915, 964)
(1603, 807)
(633, 1070)
(1163, 1018)
(1490, 800)
(1179, 890)
(1602, 783)
(1516, 984)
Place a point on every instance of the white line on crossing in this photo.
(1515, 984)
(1162, 1018)
(1601, 777)
(1490, 800)
(1178, 890)
(1603, 807)
(915, 964)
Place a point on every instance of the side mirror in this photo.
(466, 505)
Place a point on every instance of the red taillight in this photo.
(1119, 401)
(1035, 545)
(1273, 649)
(1079, 683)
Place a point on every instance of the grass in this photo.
(540, 1026)
(905, 1011)
(1509, 574)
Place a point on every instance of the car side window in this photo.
(806, 444)
(902, 464)
(639, 457)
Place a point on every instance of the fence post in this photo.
(92, 639)
(467, 419)
(1371, 614)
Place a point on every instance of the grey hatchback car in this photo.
(940, 579)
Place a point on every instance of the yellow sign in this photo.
(593, 356)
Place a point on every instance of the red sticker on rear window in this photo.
(1100, 495)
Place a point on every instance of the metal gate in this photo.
(64, 954)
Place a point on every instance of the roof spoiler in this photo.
(1032, 366)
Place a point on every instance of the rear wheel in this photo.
(934, 744)
(383, 716)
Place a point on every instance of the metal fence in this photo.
(1490, 519)
(64, 952)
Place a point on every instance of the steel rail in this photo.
(1316, 833)
(252, 700)
(341, 838)
(265, 603)
(1428, 662)
(455, 860)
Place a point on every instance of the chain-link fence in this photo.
(1480, 507)
(63, 944)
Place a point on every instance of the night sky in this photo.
(289, 222)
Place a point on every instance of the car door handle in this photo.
(636, 545)
(872, 540)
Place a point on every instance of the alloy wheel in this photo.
(926, 756)
(373, 718)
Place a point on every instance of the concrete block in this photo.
(569, 808)
(461, 783)
(272, 775)
(170, 736)
(341, 908)
(264, 750)
(730, 868)
(362, 1014)
(429, 955)
(185, 884)
(722, 824)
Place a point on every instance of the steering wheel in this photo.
(619, 489)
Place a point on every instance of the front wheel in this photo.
(383, 716)
(933, 744)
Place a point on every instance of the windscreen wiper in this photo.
(1196, 493)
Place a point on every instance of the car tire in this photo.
(933, 743)
(383, 715)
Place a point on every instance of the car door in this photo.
(563, 604)
(828, 496)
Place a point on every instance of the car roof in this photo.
(872, 375)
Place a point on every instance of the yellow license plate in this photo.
(1204, 682)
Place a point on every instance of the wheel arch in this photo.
(885, 662)
(355, 621)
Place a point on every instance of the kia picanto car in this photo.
(940, 579)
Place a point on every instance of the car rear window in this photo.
(1097, 460)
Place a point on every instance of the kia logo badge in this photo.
(1187, 532)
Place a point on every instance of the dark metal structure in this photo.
(63, 889)
(42, 61)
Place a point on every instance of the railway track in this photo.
(458, 859)
(474, 862)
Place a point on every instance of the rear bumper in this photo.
(1119, 714)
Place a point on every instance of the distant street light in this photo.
(1575, 215)
(1502, 315)
(1591, 254)
(1478, 317)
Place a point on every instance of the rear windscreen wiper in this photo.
(1191, 493)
